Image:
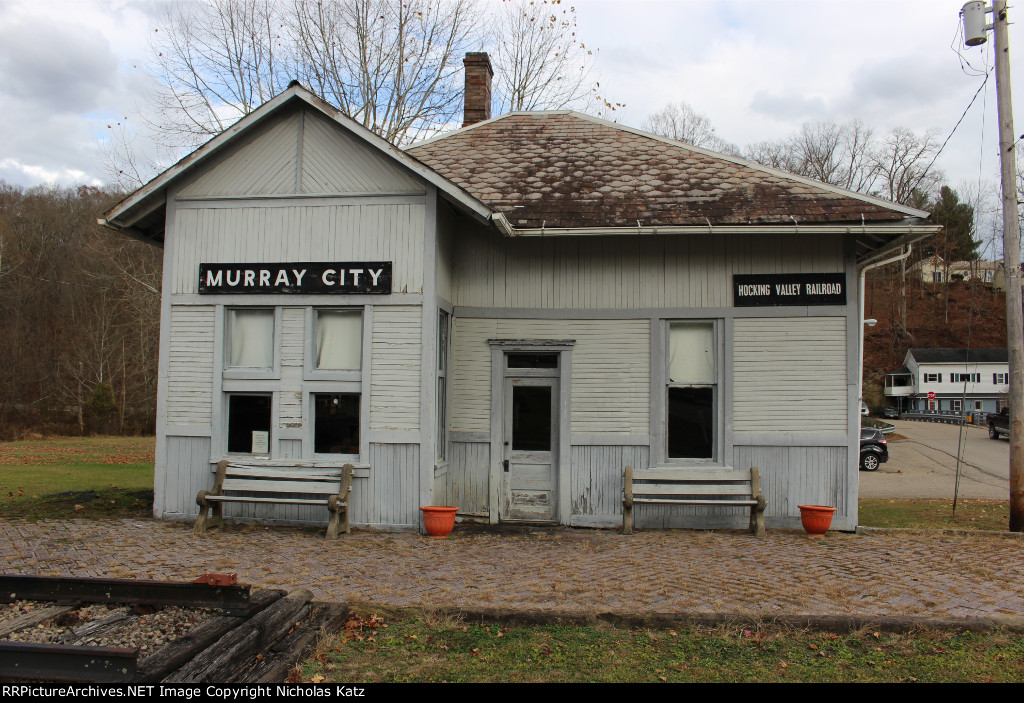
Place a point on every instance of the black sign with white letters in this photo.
(752, 290)
(306, 277)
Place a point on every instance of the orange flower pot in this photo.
(816, 519)
(438, 519)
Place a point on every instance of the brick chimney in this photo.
(478, 88)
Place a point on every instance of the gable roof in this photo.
(960, 356)
(141, 214)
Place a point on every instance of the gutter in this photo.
(509, 231)
(862, 271)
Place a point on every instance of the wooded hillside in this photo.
(957, 315)
(80, 315)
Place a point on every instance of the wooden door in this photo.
(529, 474)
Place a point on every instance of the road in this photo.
(924, 464)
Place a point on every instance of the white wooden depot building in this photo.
(504, 317)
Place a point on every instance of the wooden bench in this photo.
(694, 487)
(250, 484)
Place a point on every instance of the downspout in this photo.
(861, 276)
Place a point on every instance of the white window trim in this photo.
(309, 421)
(659, 389)
(241, 372)
(310, 371)
(272, 449)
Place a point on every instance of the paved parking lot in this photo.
(924, 465)
(587, 571)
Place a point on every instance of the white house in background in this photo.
(931, 270)
(963, 380)
(504, 317)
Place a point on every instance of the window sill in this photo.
(691, 464)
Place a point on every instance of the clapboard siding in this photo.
(264, 165)
(466, 481)
(789, 374)
(792, 476)
(596, 477)
(610, 371)
(390, 496)
(300, 233)
(333, 161)
(395, 369)
(290, 410)
(187, 472)
(627, 272)
(190, 365)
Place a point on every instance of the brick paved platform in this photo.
(556, 569)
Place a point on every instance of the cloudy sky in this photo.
(757, 68)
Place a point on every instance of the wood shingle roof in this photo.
(564, 169)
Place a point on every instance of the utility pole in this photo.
(974, 34)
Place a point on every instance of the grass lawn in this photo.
(935, 513)
(77, 477)
(443, 648)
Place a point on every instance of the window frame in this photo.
(310, 371)
(250, 372)
(443, 364)
(933, 378)
(309, 403)
(660, 393)
(272, 435)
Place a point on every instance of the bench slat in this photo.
(276, 472)
(696, 489)
(684, 501)
(254, 499)
(277, 486)
(690, 475)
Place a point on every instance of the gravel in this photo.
(139, 627)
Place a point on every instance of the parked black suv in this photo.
(874, 449)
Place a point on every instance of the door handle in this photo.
(506, 464)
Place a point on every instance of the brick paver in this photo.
(555, 569)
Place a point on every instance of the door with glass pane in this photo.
(530, 443)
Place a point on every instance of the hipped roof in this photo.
(569, 170)
(566, 173)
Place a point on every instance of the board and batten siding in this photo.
(789, 375)
(395, 368)
(254, 234)
(611, 371)
(628, 272)
(268, 163)
(333, 161)
(187, 471)
(190, 365)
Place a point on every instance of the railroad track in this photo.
(231, 633)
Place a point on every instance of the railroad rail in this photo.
(266, 626)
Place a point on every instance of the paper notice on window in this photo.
(260, 442)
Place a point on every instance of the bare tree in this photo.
(217, 61)
(539, 61)
(394, 67)
(838, 154)
(682, 122)
(903, 162)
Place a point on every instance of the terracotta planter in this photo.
(816, 519)
(438, 519)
